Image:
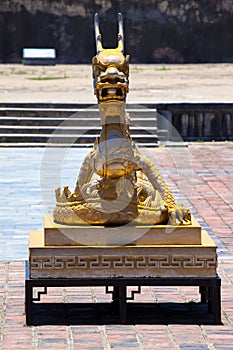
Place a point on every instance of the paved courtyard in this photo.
(200, 176)
(171, 319)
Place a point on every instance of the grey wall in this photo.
(155, 31)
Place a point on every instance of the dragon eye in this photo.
(97, 70)
(125, 69)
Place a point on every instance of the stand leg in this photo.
(214, 300)
(122, 303)
(204, 294)
(28, 303)
(116, 294)
(217, 301)
(210, 299)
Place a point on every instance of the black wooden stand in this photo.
(209, 287)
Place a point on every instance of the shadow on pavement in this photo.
(107, 313)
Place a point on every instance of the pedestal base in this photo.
(88, 235)
(121, 261)
(209, 289)
(121, 266)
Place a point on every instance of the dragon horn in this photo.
(98, 39)
(120, 33)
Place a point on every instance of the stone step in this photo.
(72, 121)
(66, 138)
(25, 125)
(63, 144)
(67, 112)
(72, 130)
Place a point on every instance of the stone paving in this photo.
(171, 318)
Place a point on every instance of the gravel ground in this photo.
(148, 83)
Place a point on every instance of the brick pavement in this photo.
(171, 318)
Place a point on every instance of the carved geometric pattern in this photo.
(123, 262)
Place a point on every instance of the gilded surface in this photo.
(116, 184)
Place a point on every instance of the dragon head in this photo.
(110, 68)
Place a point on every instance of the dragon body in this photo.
(116, 183)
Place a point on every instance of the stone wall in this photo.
(166, 31)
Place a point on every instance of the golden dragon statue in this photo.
(116, 184)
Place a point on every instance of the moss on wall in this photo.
(155, 30)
